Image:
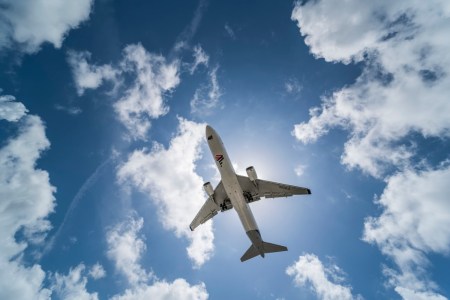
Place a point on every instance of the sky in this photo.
(103, 108)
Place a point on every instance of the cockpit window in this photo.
(210, 137)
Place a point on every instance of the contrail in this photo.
(186, 35)
(76, 200)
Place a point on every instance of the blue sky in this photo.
(103, 108)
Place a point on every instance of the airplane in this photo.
(236, 191)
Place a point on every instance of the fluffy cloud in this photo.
(73, 285)
(206, 98)
(413, 224)
(152, 79)
(402, 90)
(89, 76)
(403, 86)
(10, 110)
(26, 200)
(97, 271)
(29, 24)
(18, 281)
(142, 99)
(324, 281)
(169, 177)
(125, 249)
(178, 289)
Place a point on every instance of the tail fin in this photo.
(267, 248)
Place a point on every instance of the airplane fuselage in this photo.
(233, 189)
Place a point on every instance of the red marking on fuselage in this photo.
(219, 159)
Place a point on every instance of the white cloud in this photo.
(97, 271)
(169, 177)
(29, 24)
(403, 86)
(142, 99)
(402, 90)
(415, 221)
(71, 110)
(415, 295)
(324, 35)
(26, 200)
(200, 58)
(324, 281)
(89, 76)
(206, 98)
(21, 181)
(73, 285)
(10, 110)
(178, 289)
(125, 249)
(293, 86)
(300, 170)
(20, 282)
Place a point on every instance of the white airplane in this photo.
(238, 191)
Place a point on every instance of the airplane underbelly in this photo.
(234, 192)
(231, 184)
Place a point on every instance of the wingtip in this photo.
(190, 227)
(309, 191)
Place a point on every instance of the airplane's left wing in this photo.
(269, 189)
(210, 208)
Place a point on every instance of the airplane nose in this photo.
(209, 130)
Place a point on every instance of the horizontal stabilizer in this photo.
(250, 253)
(267, 248)
(270, 248)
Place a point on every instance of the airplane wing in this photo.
(218, 202)
(268, 189)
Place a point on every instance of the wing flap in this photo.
(208, 210)
(274, 189)
(269, 189)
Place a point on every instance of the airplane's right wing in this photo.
(208, 210)
(269, 189)
(218, 202)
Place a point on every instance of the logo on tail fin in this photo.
(219, 159)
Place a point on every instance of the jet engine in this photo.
(208, 189)
(251, 173)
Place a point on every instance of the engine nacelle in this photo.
(208, 189)
(251, 173)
